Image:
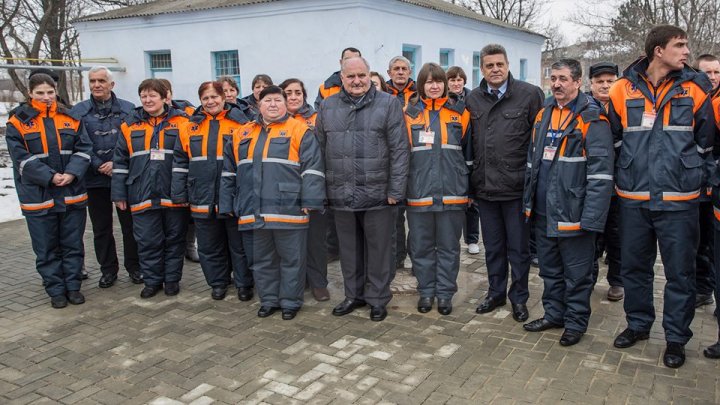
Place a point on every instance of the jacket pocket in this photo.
(195, 146)
(67, 140)
(635, 109)
(692, 177)
(454, 131)
(243, 148)
(575, 203)
(137, 139)
(170, 138)
(681, 111)
(289, 195)
(279, 148)
(34, 143)
(516, 119)
(624, 177)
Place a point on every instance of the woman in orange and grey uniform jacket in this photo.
(197, 169)
(439, 130)
(50, 152)
(142, 172)
(316, 269)
(273, 175)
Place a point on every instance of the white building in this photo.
(191, 41)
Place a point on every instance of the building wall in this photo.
(294, 38)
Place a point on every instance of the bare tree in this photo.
(36, 30)
(623, 33)
(521, 13)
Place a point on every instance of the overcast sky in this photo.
(560, 11)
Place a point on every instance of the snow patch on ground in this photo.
(9, 204)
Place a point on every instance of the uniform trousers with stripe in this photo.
(505, 238)
(100, 209)
(317, 249)
(434, 239)
(57, 240)
(677, 234)
(277, 260)
(566, 267)
(366, 253)
(160, 235)
(220, 247)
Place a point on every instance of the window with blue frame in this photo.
(476, 69)
(412, 53)
(159, 63)
(523, 69)
(226, 63)
(447, 57)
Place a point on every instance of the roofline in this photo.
(458, 12)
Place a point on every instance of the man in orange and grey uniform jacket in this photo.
(331, 86)
(401, 86)
(713, 351)
(602, 76)
(568, 184)
(705, 259)
(661, 118)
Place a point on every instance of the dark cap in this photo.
(603, 67)
(53, 74)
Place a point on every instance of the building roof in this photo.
(160, 7)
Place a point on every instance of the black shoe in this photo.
(150, 291)
(172, 288)
(75, 297)
(703, 299)
(378, 313)
(520, 312)
(219, 293)
(425, 304)
(135, 277)
(347, 306)
(570, 337)
(629, 337)
(444, 306)
(540, 325)
(84, 275)
(58, 301)
(674, 355)
(489, 304)
(107, 280)
(264, 312)
(712, 352)
(288, 314)
(245, 293)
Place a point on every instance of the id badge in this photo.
(549, 152)
(427, 137)
(157, 154)
(648, 119)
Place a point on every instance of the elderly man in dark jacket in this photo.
(364, 139)
(502, 111)
(102, 116)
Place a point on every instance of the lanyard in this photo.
(561, 125)
(155, 140)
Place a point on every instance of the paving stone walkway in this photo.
(189, 349)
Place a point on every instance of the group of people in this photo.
(269, 182)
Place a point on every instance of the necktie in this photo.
(496, 93)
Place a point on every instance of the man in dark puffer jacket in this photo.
(364, 140)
